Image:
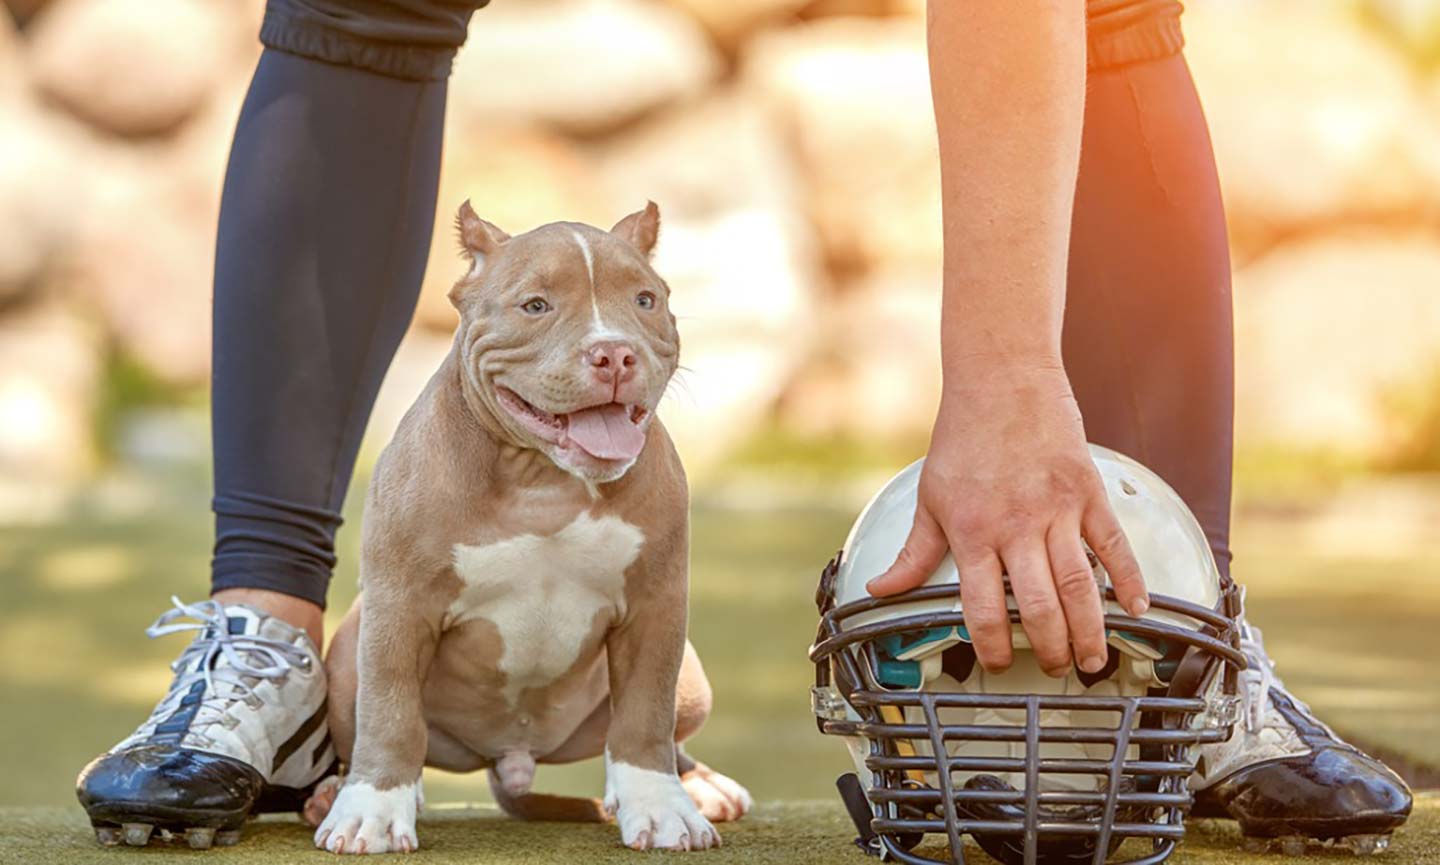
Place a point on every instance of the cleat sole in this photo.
(1299, 845)
(1366, 845)
(200, 838)
(138, 834)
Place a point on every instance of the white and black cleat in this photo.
(242, 730)
(1289, 781)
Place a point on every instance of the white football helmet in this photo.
(1033, 768)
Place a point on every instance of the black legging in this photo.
(1147, 337)
(329, 206)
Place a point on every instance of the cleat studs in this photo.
(1367, 845)
(138, 834)
(200, 837)
(1293, 845)
(227, 838)
(109, 836)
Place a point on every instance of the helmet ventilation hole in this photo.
(1126, 487)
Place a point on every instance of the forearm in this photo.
(1008, 82)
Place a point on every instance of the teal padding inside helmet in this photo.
(899, 674)
(1169, 660)
(894, 645)
(896, 673)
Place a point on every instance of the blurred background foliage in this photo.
(790, 146)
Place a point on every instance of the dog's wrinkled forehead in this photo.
(565, 259)
(562, 261)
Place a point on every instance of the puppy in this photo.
(524, 571)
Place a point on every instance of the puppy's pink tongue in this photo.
(606, 433)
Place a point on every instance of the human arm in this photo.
(1008, 485)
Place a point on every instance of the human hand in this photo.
(1010, 488)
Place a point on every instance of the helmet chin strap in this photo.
(903, 747)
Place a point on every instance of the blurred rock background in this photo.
(791, 147)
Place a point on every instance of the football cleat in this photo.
(242, 730)
(1287, 778)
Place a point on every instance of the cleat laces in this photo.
(231, 665)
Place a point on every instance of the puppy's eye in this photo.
(535, 306)
(645, 300)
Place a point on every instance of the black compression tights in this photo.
(1147, 337)
(325, 227)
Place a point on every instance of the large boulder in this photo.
(1316, 121)
(704, 159)
(852, 98)
(12, 69)
(44, 160)
(730, 22)
(876, 371)
(738, 253)
(151, 283)
(1327, 332)
(518, 179)
(743, 295)
(579, 65)
(130, 67)
(23, 10)
(143, 253)
(49, 384)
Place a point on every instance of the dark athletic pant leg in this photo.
(325, 225)
(1148, 328)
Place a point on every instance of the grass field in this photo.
(1355, 626)
(790, 833)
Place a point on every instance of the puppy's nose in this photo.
(612, 361)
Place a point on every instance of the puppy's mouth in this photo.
(610, 431)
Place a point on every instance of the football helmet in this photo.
(1034, 769)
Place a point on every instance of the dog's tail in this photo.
(542, 807)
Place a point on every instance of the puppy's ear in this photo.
(478, 241)
(641, 228)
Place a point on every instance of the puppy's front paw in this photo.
(654, 811)
(366, 820)
(718, 797)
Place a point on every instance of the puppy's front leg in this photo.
(642, 788)
(376, 808)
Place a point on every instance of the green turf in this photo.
(796, 833)
(1354, 633)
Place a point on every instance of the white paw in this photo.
(366, 820)
(718, 797)
(654, 811)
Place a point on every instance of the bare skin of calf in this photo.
(524, 563)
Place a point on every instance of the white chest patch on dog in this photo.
(543, 592)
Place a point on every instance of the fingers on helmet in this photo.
(1028, 564)
(923, 550)
(987, 618)
(1102, 531)
(1079, 596)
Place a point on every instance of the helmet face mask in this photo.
(1033, 769)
